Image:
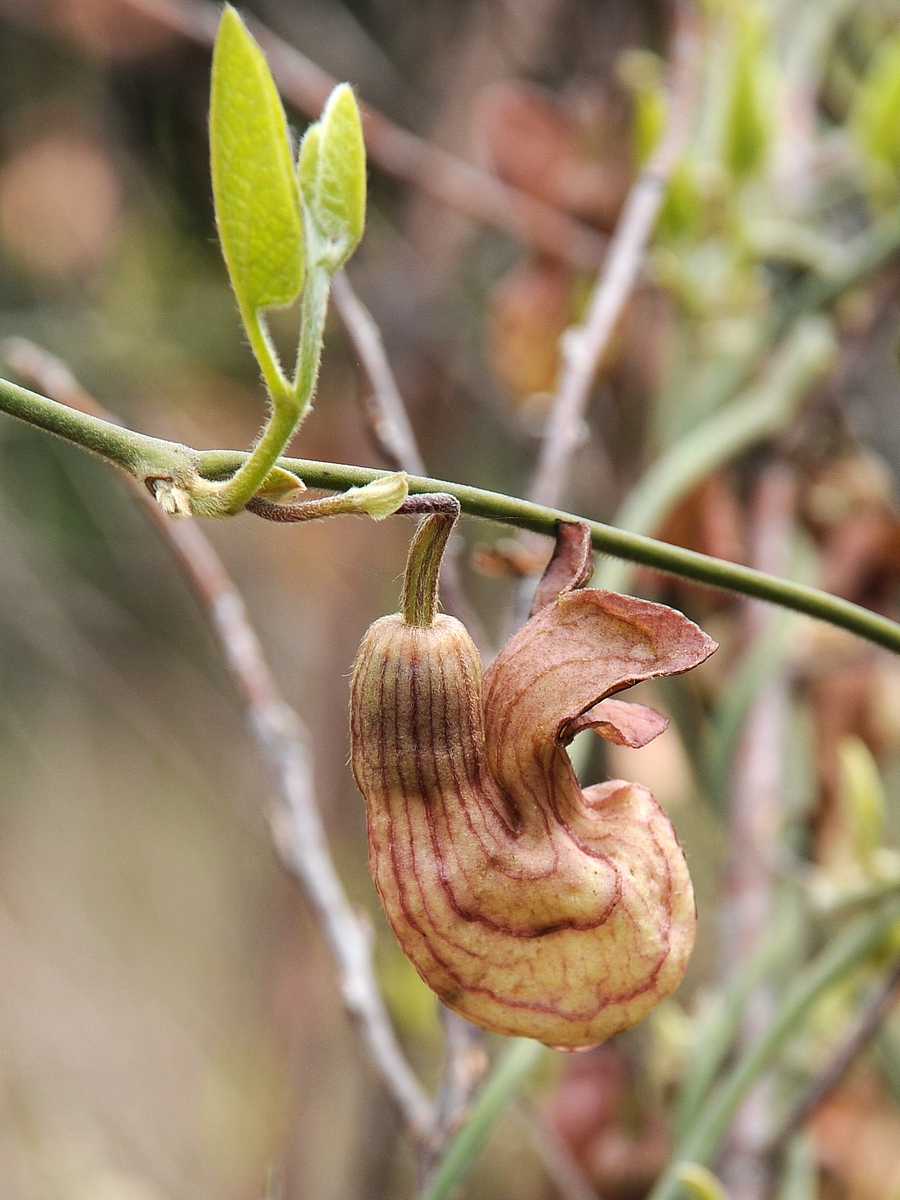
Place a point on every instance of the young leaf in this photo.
(255, 194)
(281, 486)
(308, 165)
(331, 171)
(378, 499)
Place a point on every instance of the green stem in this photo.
(261, 345)
(518, 1060)
(249, 478)
(843, 954)
(141, 456)
(309, 351)
(147, 457)
(635, 547)
(290, 403)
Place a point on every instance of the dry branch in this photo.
(297, 827)
(583, 347)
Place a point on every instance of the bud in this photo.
(172, 498)
(378, 499)
(281, 487)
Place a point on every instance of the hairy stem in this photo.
(261, 344)
(423, 569)
(309, 351)
(141, 456)
(290, 404)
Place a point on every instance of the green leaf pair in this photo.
(276, 224)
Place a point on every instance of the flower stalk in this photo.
(423, 567)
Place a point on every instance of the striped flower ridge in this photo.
(531, 906)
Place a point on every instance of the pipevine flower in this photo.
(530, 905)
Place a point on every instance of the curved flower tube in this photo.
(531, 906)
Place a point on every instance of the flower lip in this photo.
(558, 675)
(619, 721)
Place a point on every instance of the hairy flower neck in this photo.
(423, 566)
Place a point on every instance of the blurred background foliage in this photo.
(170, 1026)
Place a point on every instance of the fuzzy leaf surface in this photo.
(254, 190)
(332, 175)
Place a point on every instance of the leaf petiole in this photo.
(290, 401)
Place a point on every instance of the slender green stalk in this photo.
(846, 951)
(517, 1061)
(309, 350)
(290, 404)
(672, 560)
(261, 344)
(153, 458)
